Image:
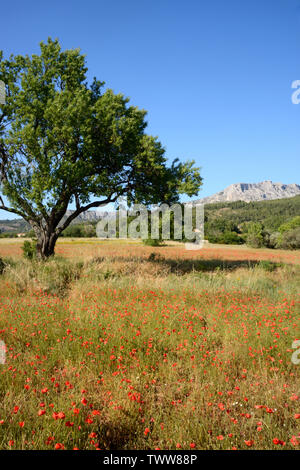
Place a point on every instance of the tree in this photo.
(290, 240)
(63, 141)
(290, 224)
(255, 235)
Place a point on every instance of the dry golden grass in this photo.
(89, 248)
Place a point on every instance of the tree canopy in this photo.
(64, 141)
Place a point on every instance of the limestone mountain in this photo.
(266, 190)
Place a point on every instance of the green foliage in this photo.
(291, 224)
(79, 230)
(220, 230)
(29, 249)
(261, 223)
(272, 214)
(290, 240)
(8, 235)
(30, 234)
(152, 242)
(255, 235)
(231, 238)
(268, 265)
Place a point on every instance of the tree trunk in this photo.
(45, 244)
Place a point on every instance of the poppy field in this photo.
(120, 346)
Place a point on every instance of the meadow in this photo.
(116, 345)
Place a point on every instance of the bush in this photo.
(231, 238)
(79, 231)
(268, 265)
(255, 235)
(151, 242)
(290, 225)
(227, 238)
(290, 240)
(29, 249)
(8, 235)
(30, 234)
(272, 239)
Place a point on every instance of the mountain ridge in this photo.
(248, 192)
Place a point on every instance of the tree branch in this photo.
(22, 202)
(9, 209)
(81, 209)
(78, 206)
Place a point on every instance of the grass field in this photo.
(113, 345)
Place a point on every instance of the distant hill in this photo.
(266, 190)
(21, 226)
(14, 225)
(88, 216)
(271, 213)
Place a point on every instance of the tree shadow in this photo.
(211, 265)
(185, 266)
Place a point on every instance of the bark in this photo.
(46, 241)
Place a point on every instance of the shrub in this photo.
(255, 235)
(268, 265)
(151, 242)
(273, 239)
(231, 238)
(290, 240)
(29, 249)
(290, 225)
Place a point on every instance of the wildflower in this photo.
(59, 446)
(294, 441)
(278, 442)
(249, 443)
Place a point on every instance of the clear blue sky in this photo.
(215, 76)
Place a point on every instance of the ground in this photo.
(113, 345)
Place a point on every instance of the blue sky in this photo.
(215, 76)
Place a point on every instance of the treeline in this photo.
(74, 231)
(272, 224)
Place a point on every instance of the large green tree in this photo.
(63, 141)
